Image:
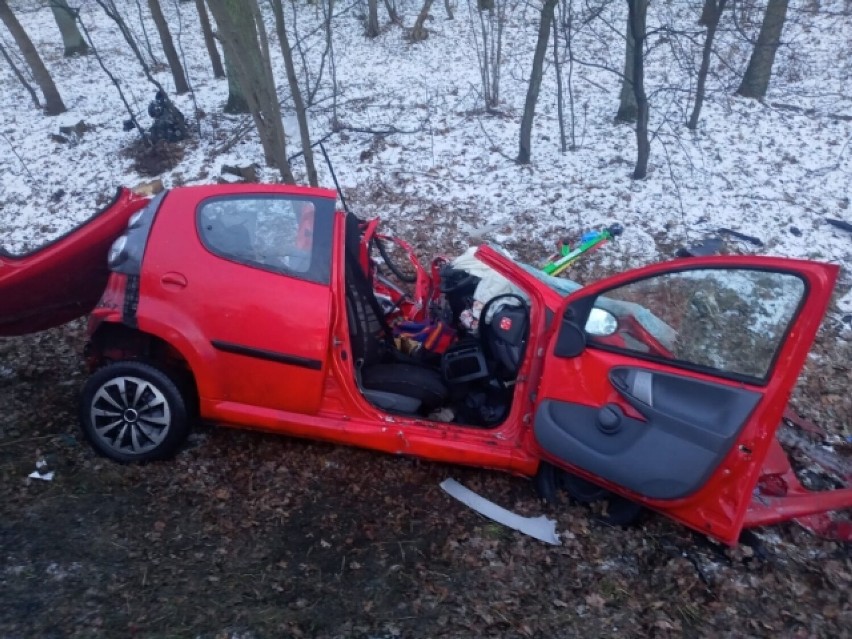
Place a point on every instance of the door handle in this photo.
(173, 281)
(634, 384)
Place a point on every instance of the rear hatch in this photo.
(63, 279)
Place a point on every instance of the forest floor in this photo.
(247, 535)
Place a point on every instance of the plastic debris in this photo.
(540, 527)
(41, 472)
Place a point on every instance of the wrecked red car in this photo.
(265, 307)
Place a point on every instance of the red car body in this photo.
(262, 348)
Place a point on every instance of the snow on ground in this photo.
(774, 170)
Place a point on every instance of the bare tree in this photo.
(489, 51)
(535, 80)
(209, 40)
(393, 14)
(755, 82)
(66, 20)
(328, 10)
(372, 18)
(298, 103)
(418, 32)
(17, 72)
(566, 18)
(236, 102)
(711, 14)
(557, 67)
(243, 37)
(132, 120)
(181, 85)
(627, 107)
(150, 49)
(53, 104)
(637, 12)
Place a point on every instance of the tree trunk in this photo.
(53, 104)
(560, 110)
(237, 102)
(243, 38)
(448, 7)
(535, 81)
(759, 71)
(181, 85)
(20, 76)
(627, 99)
(66, 20)
(372, 18)
(153, 58)
(393, 14)
(298, 103)
(707, 11)
(418, 31)
(209, 40)
(712, 22)
(637, 14)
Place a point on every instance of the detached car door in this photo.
(666, 384)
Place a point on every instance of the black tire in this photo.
(407, 380)
(619, 510)
(133, 412)
(582, 491)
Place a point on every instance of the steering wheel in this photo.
(509, 357)
(396, 270)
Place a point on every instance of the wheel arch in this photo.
(113, 341)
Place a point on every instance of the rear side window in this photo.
(286, 234)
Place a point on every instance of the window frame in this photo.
(319, 271)
(700, 368)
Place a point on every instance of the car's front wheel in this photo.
(133, 412)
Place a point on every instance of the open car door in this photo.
(63, 279)
(666, 384)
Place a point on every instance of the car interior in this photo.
(471, 383)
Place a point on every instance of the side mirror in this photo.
(601, 323)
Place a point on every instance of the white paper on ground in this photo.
(36, 474)
(540, 527)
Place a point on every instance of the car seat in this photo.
(384, 380)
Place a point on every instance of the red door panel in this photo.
(267, 318)
(677, 407)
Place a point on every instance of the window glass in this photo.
(279, 233)
(730, 320)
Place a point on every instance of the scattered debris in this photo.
(148, 188)
(740, 236)
(71, 134)
(169, 123)
(540, 527)
(703, 248)
(41, 472)
(247, 173)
